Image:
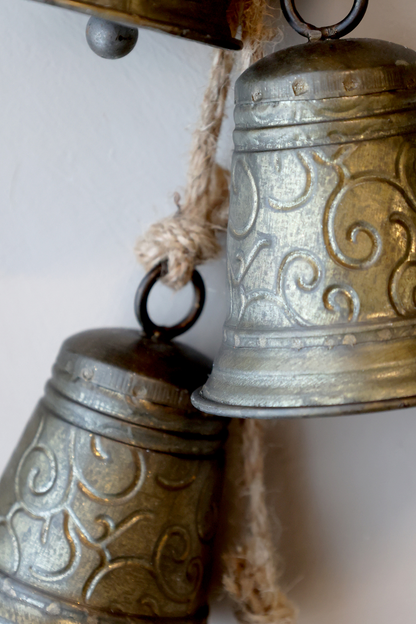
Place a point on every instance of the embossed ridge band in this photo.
(324, 133)
(334, 336)
(37, 608)
(271, 113)
(137, 410)
(70, 367)
(127, 433)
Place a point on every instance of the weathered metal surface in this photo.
(322, 235)
(110, 40)
(200, 20)
(108, 506)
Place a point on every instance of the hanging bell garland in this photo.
(321, 243)
(109, 503)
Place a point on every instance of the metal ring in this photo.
(336, 31)
(142, 295)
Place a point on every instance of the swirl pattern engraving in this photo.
(109, 516)
(305, 194)
(356, 229)
(36, 497)
(174, 549)
(346, 183)
(243, 265)
(304, 270)
(402, 293)
(331, 303)
(305, 283)
(247, 191)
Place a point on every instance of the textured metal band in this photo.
(281, 78)
(325, 133)
(71, 367)
(127, 433)
(38, 608)
(366, 333)
(233, 411)
(281, 114)
(137, 405)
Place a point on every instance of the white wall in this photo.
(91, 152)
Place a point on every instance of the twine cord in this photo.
(252, 568)
(189, 237)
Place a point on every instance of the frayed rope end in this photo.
(254, 589)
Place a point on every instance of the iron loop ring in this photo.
(336, 31)
(141, 298)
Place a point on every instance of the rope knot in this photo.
(183, 242)
(190, 236)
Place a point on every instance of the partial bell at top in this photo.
(205, 21)
(321, 241)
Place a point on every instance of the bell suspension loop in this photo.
(141, 299)
(313, 33)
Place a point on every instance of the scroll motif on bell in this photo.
(323, 236)
(106, 525)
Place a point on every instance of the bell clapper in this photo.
(109, 39)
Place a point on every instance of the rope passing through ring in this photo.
(189, 238)
(336, 31)
(142, 296)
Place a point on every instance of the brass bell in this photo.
(321, 245)
(108, 506)
(112, 30)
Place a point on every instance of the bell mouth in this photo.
(348, 409)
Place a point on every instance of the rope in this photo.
(189, 237)
(252, 568)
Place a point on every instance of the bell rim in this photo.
(226, 42)
(21, 603)
(216, 408)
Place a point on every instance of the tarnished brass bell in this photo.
(321, 241)
(108, 506)
(112, 35)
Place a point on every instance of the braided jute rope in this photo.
(189, 238)
(252, 567)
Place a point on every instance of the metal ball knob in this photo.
(110, 40)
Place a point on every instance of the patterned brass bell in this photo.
(109, 503)
(205, 21)
(322, 234)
